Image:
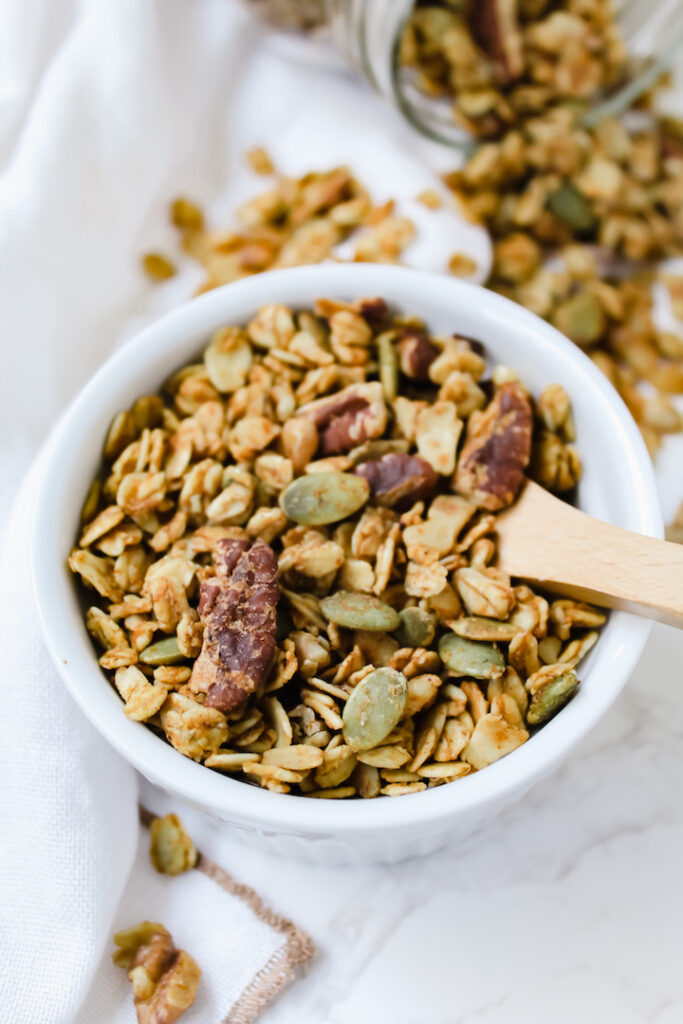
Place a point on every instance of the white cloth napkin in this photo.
(74, 865)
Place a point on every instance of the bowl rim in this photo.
(230, 798)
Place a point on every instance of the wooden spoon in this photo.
(547, 541)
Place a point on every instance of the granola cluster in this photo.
(296, 221)
(290, 556)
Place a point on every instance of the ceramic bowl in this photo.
(617, 486)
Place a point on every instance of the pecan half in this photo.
(497, 449)
(416, 353)
(348, 418)
(493, 24)
(237, 607)
(398, 481)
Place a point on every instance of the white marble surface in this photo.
(566, 908)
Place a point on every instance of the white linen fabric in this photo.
(107, 111)
(74, 865)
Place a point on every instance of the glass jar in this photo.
(369, 34)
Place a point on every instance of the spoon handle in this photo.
(543, 539)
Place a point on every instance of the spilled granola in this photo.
(164, 979)
(290, 558)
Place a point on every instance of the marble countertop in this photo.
(566, 908)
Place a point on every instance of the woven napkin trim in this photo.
(281, 968)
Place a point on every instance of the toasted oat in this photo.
(429, 198)
(259, 160)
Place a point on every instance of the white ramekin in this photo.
(617, 485)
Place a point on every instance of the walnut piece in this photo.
(237, 607)
(497, 449)
(164, 979)
(398, 481)
(348, 418)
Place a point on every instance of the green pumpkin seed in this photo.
(477, 627)
(163, 652)
(320, 498)
(581, 318)
(375, 706)
(470, 658)
(551, 697)
(359, 611)
(572, 207)
(416, 629)
(388, 365)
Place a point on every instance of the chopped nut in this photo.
(164, 979)
(237, 607)
(398, 481)
(497, 450)
(348, 418)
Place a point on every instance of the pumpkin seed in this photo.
(359, 611)
(375, 706)
(581, 318)
(416, 629)
(572, 207)
(321, 498)
(388, 365)
(163, 652)
(551, 697)
(477, 627)
(470, 657)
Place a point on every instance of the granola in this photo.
(292, 577)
